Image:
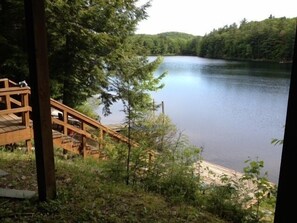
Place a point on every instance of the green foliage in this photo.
(13, 57)
(220, 200)
(84, 40)
(171, 171)
(88, 108)
(271, 40)
(86, 46)
(115, 168)
(277, 141)
(261, 188)
(170, 43)
(131, 80)
(155, 131)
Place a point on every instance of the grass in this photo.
(84, 194)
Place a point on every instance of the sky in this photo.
(199, 17)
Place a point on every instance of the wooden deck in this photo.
(10, 122)
(12, 130)
(84, 136)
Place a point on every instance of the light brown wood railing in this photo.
(16, 100)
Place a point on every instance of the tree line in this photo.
(271, 40)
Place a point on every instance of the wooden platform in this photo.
(12, 130)
(10, 122)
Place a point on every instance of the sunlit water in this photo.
(232, 109)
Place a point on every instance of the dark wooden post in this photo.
(287, 196)
(40, 95)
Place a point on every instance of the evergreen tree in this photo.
(83, 37)
(131, 78)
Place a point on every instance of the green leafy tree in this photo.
(261, 188)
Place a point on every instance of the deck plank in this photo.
(10, 122)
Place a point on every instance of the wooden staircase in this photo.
(72, 131)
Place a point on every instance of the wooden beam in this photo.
(15, 110)
(40, 95)
(15, 136)
(7, 98)
(286, 194)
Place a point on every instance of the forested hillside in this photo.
(271, 39)
(169, 43)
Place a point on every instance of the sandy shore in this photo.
(211, 173)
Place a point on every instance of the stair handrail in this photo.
(88, 121)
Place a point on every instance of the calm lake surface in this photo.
(232, 109)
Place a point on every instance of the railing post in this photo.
(7, 97)
(84, 140)
(65, 129)
(26, 117)
(29, 145)
(100, 139)
(65, 120)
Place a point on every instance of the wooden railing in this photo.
(72, 123)
(16, 100)
(84, 128)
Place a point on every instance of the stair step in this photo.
(76, 143)
(57, 136)
(64, 141)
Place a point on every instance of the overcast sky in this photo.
(199, 17)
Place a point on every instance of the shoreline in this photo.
(211, 173)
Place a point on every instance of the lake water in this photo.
(232, 109)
